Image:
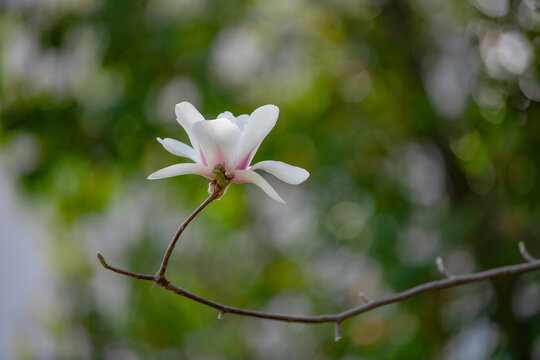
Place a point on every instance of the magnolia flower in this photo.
(222, 149)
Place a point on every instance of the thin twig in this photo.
(123, 272)
(455, 280)
(525, 253)
(449, 281)
(160, 275)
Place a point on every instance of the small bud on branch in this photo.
(337, 332)
(442, 269)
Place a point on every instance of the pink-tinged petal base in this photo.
(248, 176)
(242, 164)
(254, 130)
(218, 140)
(182, 169)
(203, 158)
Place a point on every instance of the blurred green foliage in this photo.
(418, 121)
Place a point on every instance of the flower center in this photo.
(222, 175)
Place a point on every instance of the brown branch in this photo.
(124, 272)
(449, 281)
(160, 275)
(455, 280)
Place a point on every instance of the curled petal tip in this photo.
(305, 176)
(152, 176)
(270, 106)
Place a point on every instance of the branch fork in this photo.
(449, 281)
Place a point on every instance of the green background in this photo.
(418, 121)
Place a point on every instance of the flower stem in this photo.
(215, 193)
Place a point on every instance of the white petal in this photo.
(284, 172)
(182, 169)
(259, 124)
(226, 115)
(218, 140)
(187, 115)
(244, 176)
(178, 148)
(241, 121)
